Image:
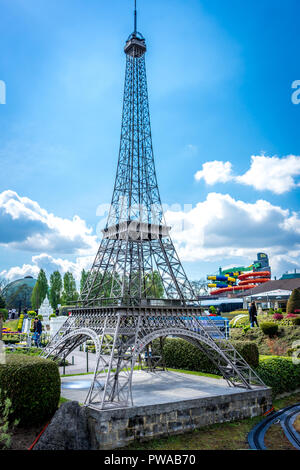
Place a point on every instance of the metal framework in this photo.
(137, 290)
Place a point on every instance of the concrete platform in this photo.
(150, 388)
(166, 403)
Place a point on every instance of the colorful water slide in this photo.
(254, 281)
(221, 281)
(247, 281)
(255, 274)
(238, 270)
(256, 277)
(232, 289)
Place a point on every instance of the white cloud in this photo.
(215, 172)
(274, 174)
(27, 226)
(216, 229)
(18, 272)
(49, 264)
(222, 227)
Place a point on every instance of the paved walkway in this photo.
(81, 363)
(150, 388)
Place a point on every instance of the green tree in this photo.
(2, 301)
(70, 293)
(55, 289)
(293, 302)
(40, 290)
(84, 276)
(154, 285)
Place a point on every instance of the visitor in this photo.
(39, 327)
(36, 339)
(37, 332)
(253, 315)
(57, 312)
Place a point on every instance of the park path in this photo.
(82, 364)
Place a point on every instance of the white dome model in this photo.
(45, 309)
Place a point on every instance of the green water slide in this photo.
(241, 269)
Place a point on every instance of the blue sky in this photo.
(220, 77)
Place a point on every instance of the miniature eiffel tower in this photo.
(137, 290)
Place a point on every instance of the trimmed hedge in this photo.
(269, 328)
(20, 322)
(33, 385)
(11, 339)
(4, 313)
(248, 350)
(180, 354)
(280, 374)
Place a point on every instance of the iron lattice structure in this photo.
(136, 257)
(137, 290)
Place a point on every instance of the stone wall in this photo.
(111, 429)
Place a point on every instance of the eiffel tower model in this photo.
(137, 290)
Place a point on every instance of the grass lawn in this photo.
(12, 324)
(225, 436)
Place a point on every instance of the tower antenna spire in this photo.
(135, 17)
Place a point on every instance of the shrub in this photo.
(33, 386)
(31, 313)
(4, 313)
(296, 321)
(277, 316)
(279, 310)
(271, 311)
(52, 315)
(20, 322)
(294, 301)
(279, 373)
(179, 354)
(11, 339)
(291, 315)
(248, 350)
(6, 428)
(269, 328)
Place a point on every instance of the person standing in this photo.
(39, 329)
(253, 315)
